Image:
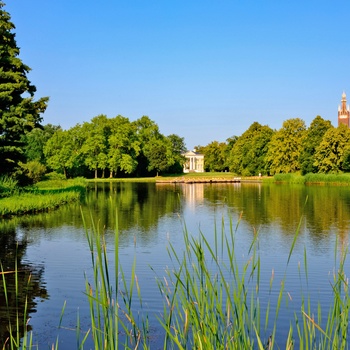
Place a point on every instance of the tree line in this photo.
(105, 147)
(294, 148)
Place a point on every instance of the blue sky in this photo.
(204, 70)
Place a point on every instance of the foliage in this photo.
(159, 154)
(19, 112)
(35, 140)
(124, 146)
(8, 186)
(215, 156)
(95, 143)
(248, 153)
(313, 138)
(34, 170)
(285, 147)
(178, 148)
(63, 150)
(334, 147)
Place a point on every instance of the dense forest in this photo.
(118, 147)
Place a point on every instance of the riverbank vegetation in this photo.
(211, 298)
(46, 195)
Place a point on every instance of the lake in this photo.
(53, 248)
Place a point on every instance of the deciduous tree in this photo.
(123, 146)
(215, 156)
(333, 150)
(95, 146)
(248, 152)
(313, 138)
(285, 147)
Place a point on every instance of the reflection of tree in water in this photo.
(28, 282)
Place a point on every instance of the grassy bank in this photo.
(330, 179)
(46, 195)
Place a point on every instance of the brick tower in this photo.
(343, 112)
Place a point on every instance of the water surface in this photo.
(53, 247)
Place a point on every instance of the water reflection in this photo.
(23, 291)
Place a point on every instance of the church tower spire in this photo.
(343, 112)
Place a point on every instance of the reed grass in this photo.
(213, 302)
(19, 337)
(113, 324)
(334, 179)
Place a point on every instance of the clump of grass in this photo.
(338, 179)
(113, 325)
(47, 195)
(8, 186)
(342, 179)
(289, 178)
(213, 301)
(18, 336)
(29, 203)
(61, 183)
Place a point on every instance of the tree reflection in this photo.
(22, 292)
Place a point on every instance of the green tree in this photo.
(63, 151)
(313, 138)
(35, 140)
(19, 112)
(333, 150)
(34, 170)
(95, 146)
(124, 146)
(248, 152)
(285, 147)
(159, 154)
(178, 148)
(147, 132)
(215, 156)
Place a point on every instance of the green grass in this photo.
(8, 186)
(45, 196)
(131, 179)
(333, 179)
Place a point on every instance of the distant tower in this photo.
(343, 112)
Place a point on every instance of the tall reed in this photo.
(18, 336)
(212, 301)
(113, 324)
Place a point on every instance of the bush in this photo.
(34, 170)
(8, 186)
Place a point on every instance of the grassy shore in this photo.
(46, 195)
(330, 179)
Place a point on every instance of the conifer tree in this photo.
(19, 112)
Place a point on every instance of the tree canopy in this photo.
(19, 112)
(248, 153)
(285, 147)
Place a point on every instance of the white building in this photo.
(194, 162)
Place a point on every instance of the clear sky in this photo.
(204, 70)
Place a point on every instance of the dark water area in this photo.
(52, 247)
